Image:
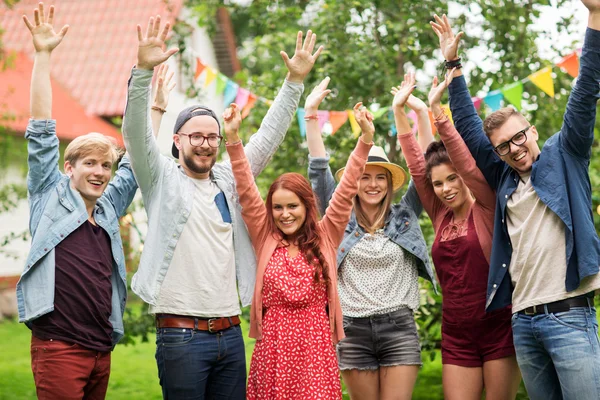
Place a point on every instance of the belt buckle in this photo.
(210, 322)
(531, 313)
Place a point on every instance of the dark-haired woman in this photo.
(477, 348)
(379, 261)
(295, 314)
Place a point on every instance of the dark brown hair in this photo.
(435, 155)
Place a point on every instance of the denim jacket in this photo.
(168, 192)
(559, 176)
(56, 210)
(401, 225)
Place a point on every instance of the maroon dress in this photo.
(470, 336)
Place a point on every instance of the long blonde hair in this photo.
(382, 213)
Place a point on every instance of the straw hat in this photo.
(378, 157)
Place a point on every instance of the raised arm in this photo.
(141, 145)
(458, 152)
(411, 149)
(577, 132)
(254, 211)
(339, 211)
(319, 172)
(163, 86)
(43, 145)
(424, 131)
(466, 120)
(274, 126)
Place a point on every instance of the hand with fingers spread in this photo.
(164, 86)
(232, 119)
(364, 118)
(44, 37)
(403, 92)
(150, 46)
(303, 60)
(448, 41)
(437, 91)
(314, 99)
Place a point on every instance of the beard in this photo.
(199, 168)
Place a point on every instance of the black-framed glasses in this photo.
(197, 139)
(518, 139)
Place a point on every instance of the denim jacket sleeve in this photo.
(321, 180)
(470, 127)
(263, 144)
(411, 199)
(143, 151)
(577, 132)
(43, 153)
(122, 187)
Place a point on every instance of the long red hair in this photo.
(307, 237)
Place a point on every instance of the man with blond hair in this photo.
(72, 291)
(545, 250)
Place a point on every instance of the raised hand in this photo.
(232, 120)
(365, 120)
(303, 60)
(164, 86)
(592, 5)
(44, 37)
(436, 92)
(403, 92)
(448, 41)
(416, 104)
(314, 99)
(151, 45)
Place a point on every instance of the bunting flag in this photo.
(211, 74)
(230, 93)
(221, 83)
(353, 123)
(199, 68)
(570, 64)
(513, 93)
(412, 116)
(251, 101)
(446, 108)
(323, 116)
(301, 122)
(477, 102)
(493, 100)
(380, 111)
(242, 98)
(393, 130)
(543, 80)
(337, 119)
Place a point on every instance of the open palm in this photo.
(448, 41)
(303, 59)
(402, 93)
(315, 97)
(151, 45)
(437, 91)
(45, 39)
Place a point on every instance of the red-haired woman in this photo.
(295, 315)
(477, 348)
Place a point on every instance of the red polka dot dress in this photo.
(295, 358)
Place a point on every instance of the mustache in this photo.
(205, 153)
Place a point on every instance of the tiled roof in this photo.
(95, 58)
(71, 118)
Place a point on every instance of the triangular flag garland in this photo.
(512, 93)
(301, 122)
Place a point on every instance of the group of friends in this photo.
(330, 269)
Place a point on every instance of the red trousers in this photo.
(67, 371)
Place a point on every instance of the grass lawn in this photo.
(134, 375)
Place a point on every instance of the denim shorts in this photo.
(383, 340)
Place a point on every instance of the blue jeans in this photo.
(559, 354)
(201, 365)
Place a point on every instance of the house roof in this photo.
(93, 61)
(71, 118)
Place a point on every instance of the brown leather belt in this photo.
(211, 325)
(560, 306)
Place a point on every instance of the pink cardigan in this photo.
(331, 229)
(485, 197)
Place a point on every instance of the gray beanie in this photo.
(187, 114)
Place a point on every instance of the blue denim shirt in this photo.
(56, 210)
(559, 176)
(168, 193)
(401, 225)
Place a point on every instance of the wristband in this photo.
(309, 117)
(453, 64)
(159, 109)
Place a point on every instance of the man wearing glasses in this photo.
(545, 252)
(197, 255)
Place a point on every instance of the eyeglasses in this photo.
(518, 139)
(197, 139)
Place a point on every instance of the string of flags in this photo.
(332, 121)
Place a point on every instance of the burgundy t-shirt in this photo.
(82, 291)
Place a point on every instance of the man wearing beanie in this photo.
(197, 257)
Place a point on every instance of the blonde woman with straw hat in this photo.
(379, 261)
